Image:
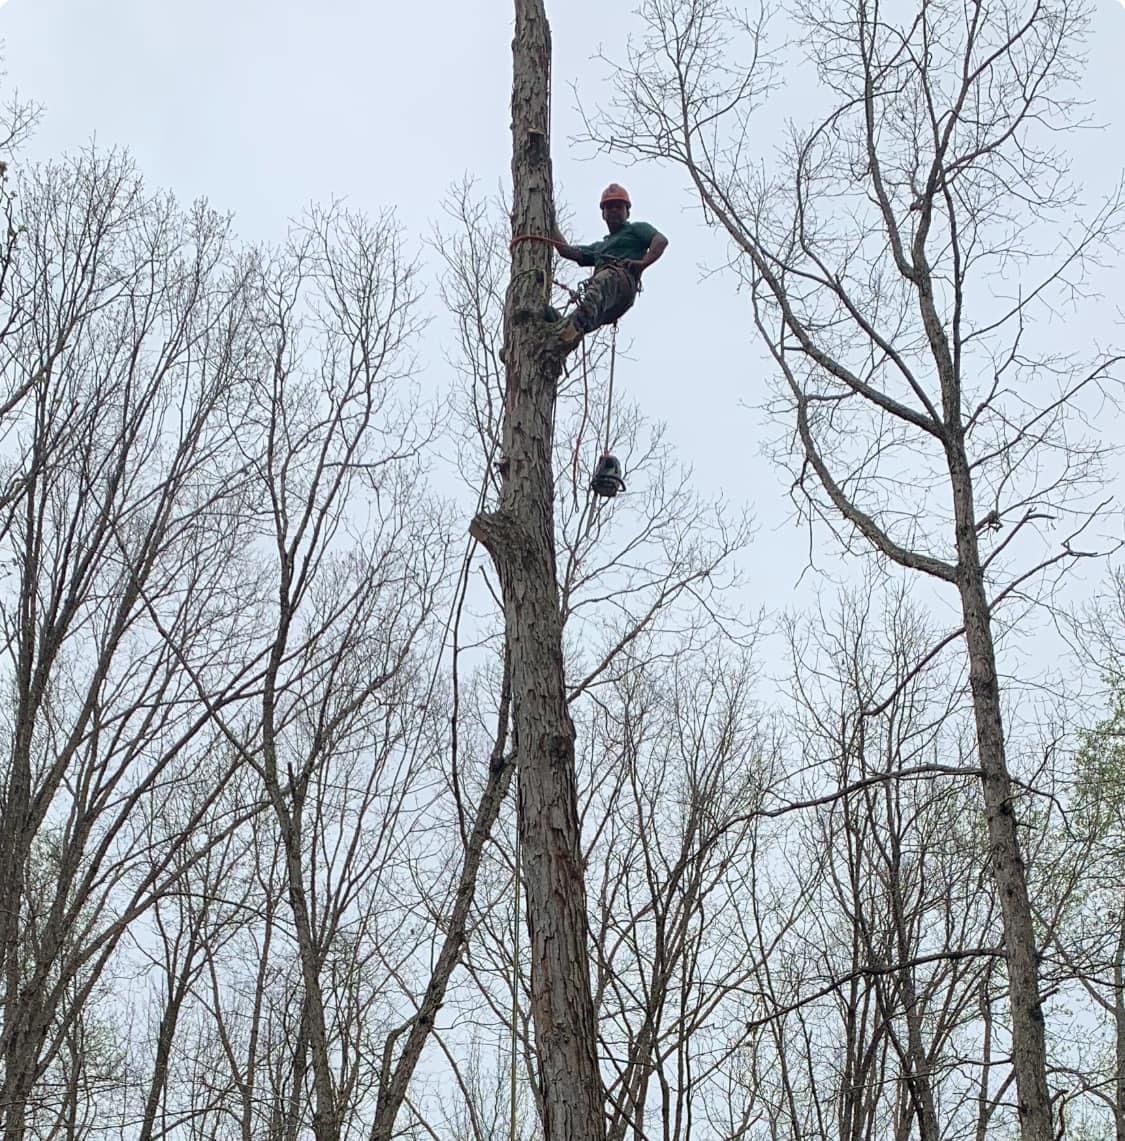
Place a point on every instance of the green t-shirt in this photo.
(631, 242)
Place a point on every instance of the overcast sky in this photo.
(265, 105)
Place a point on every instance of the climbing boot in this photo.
(568, 335)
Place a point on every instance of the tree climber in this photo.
(618, 259)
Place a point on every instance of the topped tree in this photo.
(520, 537)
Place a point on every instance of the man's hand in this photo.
(637, 266)
(656, 247)
(562, 247)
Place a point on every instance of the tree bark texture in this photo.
(521, 540)
(1029, 1046)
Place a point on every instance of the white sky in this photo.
(265, 105)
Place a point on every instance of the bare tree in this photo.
(678, 850)
(224, 565)
(345, 624)
(1081, 903)
(519, 535)
(314, 1010)
(125, 330)
(182, 935)
(643, 593)
(668, 785)
(900, 912)
(932, 425)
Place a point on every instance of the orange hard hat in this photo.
(615, 192)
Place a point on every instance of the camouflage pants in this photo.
(609, 294)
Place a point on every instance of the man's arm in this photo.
(655, 249)
(571, 253)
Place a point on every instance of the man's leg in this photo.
(608, 295)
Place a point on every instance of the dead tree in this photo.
(519, 536)
(932, 424)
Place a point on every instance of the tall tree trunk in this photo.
(1029, 1047)
(521, 540)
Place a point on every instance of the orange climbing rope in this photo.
(534, 238)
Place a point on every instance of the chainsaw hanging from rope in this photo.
(607, 480)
